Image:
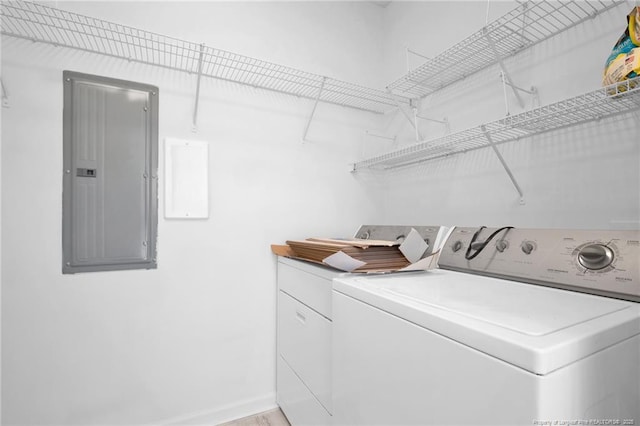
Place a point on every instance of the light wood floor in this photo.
(268, 418)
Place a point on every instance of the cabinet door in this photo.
(110, 167)
(299, 405)
(304, 342)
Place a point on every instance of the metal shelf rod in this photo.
(503, 162)
(5, 95)
(505, 74)
(195, 108)
(313, 111)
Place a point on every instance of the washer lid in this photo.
(536, 328)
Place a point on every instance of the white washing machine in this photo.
(488, 340)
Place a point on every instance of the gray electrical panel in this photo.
(110, 184)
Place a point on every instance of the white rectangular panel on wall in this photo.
(186, 179)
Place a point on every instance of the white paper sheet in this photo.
(343, 261)
(413, 246)
(425, 264)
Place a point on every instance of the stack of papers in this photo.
(352, 254)
(358, 255)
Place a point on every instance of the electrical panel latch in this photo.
(86, 172)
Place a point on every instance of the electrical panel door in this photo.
(110, 174)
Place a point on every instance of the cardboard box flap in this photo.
(355, 242)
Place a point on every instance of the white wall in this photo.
(1, 108)
(580, 177)
(194, 340)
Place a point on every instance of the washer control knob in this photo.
(456, 246)
(527, 247)
(595, 256)
(501, 245)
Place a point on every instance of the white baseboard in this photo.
(224, 414)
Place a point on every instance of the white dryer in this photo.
(303, 379)
(488, 341)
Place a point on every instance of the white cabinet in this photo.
(304, 342)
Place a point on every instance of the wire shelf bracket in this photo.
(5, 95)
(370, 134)
(409, 52)
(313, 110)
(506, 78)
(375, 135)
(533, 93)
(504, 163)
(414, 121)
(195, 108)
(444, 121)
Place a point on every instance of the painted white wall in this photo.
(580, 177)
(194, 340)
(1, 108)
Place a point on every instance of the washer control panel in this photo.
(603, 262)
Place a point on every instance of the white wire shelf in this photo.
(37, 22)
(524, 26)
(619, 98)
